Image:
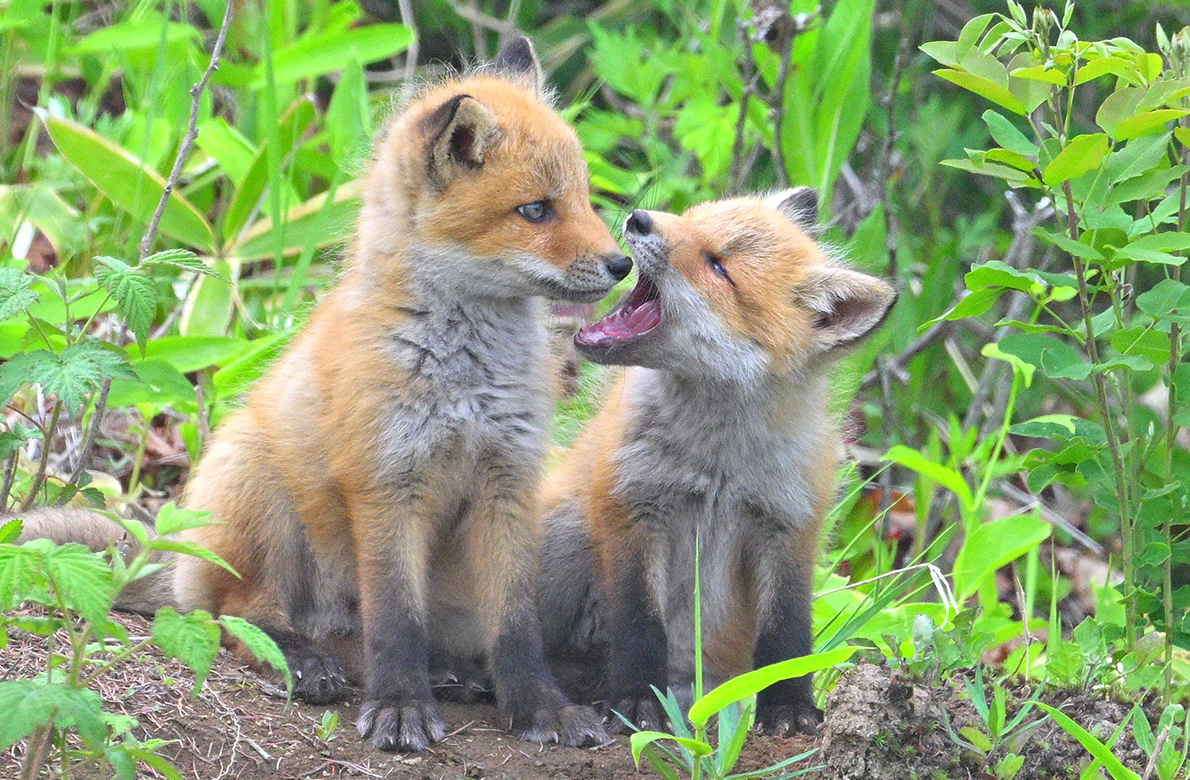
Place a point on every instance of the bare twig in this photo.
(896, 367)
(196, 91)
(146, 243)
(410, 21)
(779, 115)
(39, 476)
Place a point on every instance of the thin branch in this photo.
(410, 21)
(196, 92)
(39, 476)
(779, 115)
(146, 243)
(896, 367)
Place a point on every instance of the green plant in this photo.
(76, 589)
(1120, 225)
(999, 739)
(325, 730)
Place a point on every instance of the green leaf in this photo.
(172, 520)
(1096, 748)
(181, 259)
(1117, 107)
(194, 353)
(1146, 122)
(1100, 67)
(302, 225)
(20, 572)
(83, 578)
(27, 704)
(69, 375)
(227, 146)
(1075, 248)
(986, 88)
(642, 739)
(15, 295)
(260, 644)
(1082, 154)
(192, 638)
(992, 545)
(1168, 300)
(128, 182)
(973, 304)
(318, 54)
(1024, 368)
(751, 683)
(134, 292)
(1146, 343)
(11, 531)
(189, 548)
(943, 475)
(349, 117)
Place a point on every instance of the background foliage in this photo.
(1017, 427)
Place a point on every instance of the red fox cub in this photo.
(380, 484)
(720, 433)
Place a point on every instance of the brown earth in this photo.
(879, 726)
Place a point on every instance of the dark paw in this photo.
(782, 719)
(571, 725)
(459, 680)
(644, 712)
(318, 677)
(407, 726)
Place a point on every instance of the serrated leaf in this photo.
(134, 292)
(27, 704)
(68, 375)
(11, 531)
(183, 260)
(20, 572)
(259, 644)
(83, 578)
(1082, 154)
(15, 292)
(172, 520)
(192, 638)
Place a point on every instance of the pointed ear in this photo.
(799, 205)
(518, 61)
(458, 134)
(846, 304)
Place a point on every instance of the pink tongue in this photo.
(622, 325)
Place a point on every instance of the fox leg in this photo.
(786, 584)
(392, 538)
(637, 649)
(502, 546)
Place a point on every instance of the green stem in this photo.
(700, 732)
(1109, 425)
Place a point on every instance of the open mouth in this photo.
(633, 319)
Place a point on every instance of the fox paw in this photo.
(318, 677)
(644, 712)
(782, 719)
(571, 725)
(408, 726)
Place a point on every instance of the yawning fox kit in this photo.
(379, 493)
(721, 434)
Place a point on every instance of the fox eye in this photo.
(537, 211)
(717, 266)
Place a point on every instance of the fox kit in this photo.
(380, 483)
(721, 434)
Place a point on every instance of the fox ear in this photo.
(799, 205)
(846, 304)
(459, 132)
(518, 61)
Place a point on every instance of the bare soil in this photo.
(878, 726)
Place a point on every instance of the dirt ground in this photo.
(878, 727)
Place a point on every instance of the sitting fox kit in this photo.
(721, 434)
(381, 481)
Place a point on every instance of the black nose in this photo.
(619, 267)
(640, 222)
